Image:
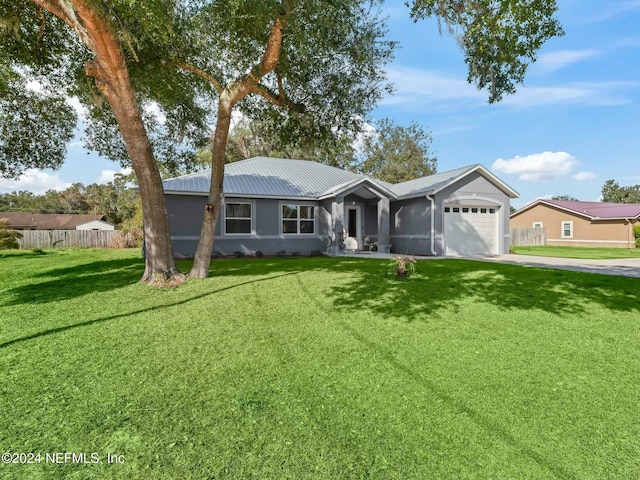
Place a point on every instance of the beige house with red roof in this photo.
(55, 221)
(581, 224)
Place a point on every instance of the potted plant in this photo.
(403, 265)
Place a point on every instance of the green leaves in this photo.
(499, 38)
(396, 154)
(34, 129)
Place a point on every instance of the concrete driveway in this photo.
(623, 267)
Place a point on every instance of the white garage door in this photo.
(470, 230)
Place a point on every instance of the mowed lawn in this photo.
(318, 368)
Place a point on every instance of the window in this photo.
(447, 209)
(567, 229)
(456, 209)
(465, 210)
(237, 218)
(298, 219)
(537, 224)
(474, 210)
(483, 210)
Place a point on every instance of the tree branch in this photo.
(201, 73)
(279, 100)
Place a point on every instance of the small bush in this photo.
(281, 253)
(238, 254)
(315, 253)
(636, 234)
(38, 251)
(216, 254)
(295, 254)
(8, 238)
(259, 254)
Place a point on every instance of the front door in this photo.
(354, 228)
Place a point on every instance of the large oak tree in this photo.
(65, 42)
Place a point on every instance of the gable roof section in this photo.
(283, 178)
(590, 210)
(435, 183)
(267, 177)
(48, 221)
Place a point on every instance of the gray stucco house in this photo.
(273, 205)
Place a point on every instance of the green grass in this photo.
(318, 368)
(578, 252)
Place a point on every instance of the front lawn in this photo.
(578, 252)
(318, 368)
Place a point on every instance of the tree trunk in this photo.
(111, 75)
(202, 259)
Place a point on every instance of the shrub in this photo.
(282, 253)
(636, 234)
(238, 254)
(259, 254)
(8, 238)
(315, 253)
(216, 254)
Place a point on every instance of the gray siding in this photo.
(185, 218)
(411, 226)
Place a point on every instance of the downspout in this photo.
(433, 222)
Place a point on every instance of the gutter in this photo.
(433, 214)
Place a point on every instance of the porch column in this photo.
(337, 217)
(383, 225)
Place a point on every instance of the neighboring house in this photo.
(584, 224)
(273, 205)
(54, 221)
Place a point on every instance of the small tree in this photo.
(8, 238)
(636, 234)
(396, 154)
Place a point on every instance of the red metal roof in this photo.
(598, 209)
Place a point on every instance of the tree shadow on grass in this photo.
(136, 312)
(443, 284)
(75, 281)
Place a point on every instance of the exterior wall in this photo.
(96, 225)
(473, 190)
(185, 213)
(411, 226)
(586, 233)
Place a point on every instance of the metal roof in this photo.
(284, 178)
(268, 177)
(592, 210)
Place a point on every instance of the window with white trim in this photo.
(537, 224)
(237, 218)
(567, 230)
(298, 219)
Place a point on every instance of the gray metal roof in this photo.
(283, 178)
(268, 177)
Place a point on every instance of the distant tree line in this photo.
(119, 204)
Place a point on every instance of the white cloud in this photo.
(584, 176)
(34, 180)
(538, 166)
(553, 61)
(417, 89)
(593, 94)
(108, 175)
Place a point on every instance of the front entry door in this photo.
(354, 228)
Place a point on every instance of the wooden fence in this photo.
(528, 237)
(71, 239)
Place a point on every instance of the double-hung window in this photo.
(298, 219)
(237, 218)
(567, 229)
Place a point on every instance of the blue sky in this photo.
(573, 125)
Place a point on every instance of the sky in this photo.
(573, 125)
